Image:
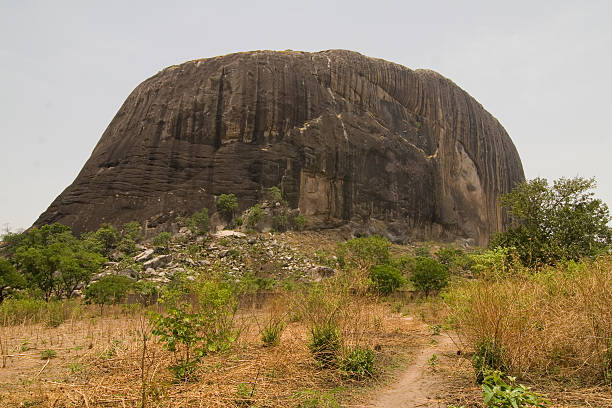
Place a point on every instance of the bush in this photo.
(198, 222)
(226, 205)
(429, 275)
(274, 195)
(162, 240)
(132, 230)
(280, 222)
(364, 252)
(109, 290)
(325, 344)
(254, 216)
(300, 222)
(552, 223)
(359, 363)
(127, 246)
(487, 356)
(386, 279)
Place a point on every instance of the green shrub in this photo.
(498, 393)
(447, 255)
(162, 240)
(226, 205)
(315, 399)
(198, 222)
(364, 252)
(274, 194)
(386, 279)
(147, 291)
(280, 222)
(487, 356)
(359, 363)
(429, 275)
(325, 344)
(48, 354)
(132, 230)
(254, 216)
(109, 290)
(300, 222)
(127, 246)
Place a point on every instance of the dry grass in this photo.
(554, 324)
(100, 363)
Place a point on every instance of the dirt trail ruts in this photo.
(418, 384)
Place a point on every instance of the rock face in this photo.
(350, 140)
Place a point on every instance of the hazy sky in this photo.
(542, 68)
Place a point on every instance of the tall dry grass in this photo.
(556, 322)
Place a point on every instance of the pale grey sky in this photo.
(542, 68)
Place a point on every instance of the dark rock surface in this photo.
(349, 139)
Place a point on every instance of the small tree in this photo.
(226, 205)
(275, 195)
(132, 230)
(109, 290)
(9, 278)
(198, 222)
(300, 222)
(429, 275)
(550, 223)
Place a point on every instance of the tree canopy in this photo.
(554, 222)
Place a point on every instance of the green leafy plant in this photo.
(358, 363)
(386, 279)
(498, 393)
(364, 252)
(429, 275)
(280, 222)
(244, 394)
(132, 230)
(180, 331)
(226, 205)
(487, 356)
(300, 222)
(325, 344)
(162, 241)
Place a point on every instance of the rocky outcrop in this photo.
(349, 139)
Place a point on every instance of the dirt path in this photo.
(417, 386)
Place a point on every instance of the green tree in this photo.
(254, 216)
(109, 290)
(226, 205)
(365, 252)
(551, 223)
(9, 278)
(54, 261)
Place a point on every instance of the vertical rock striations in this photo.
(349, 139)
